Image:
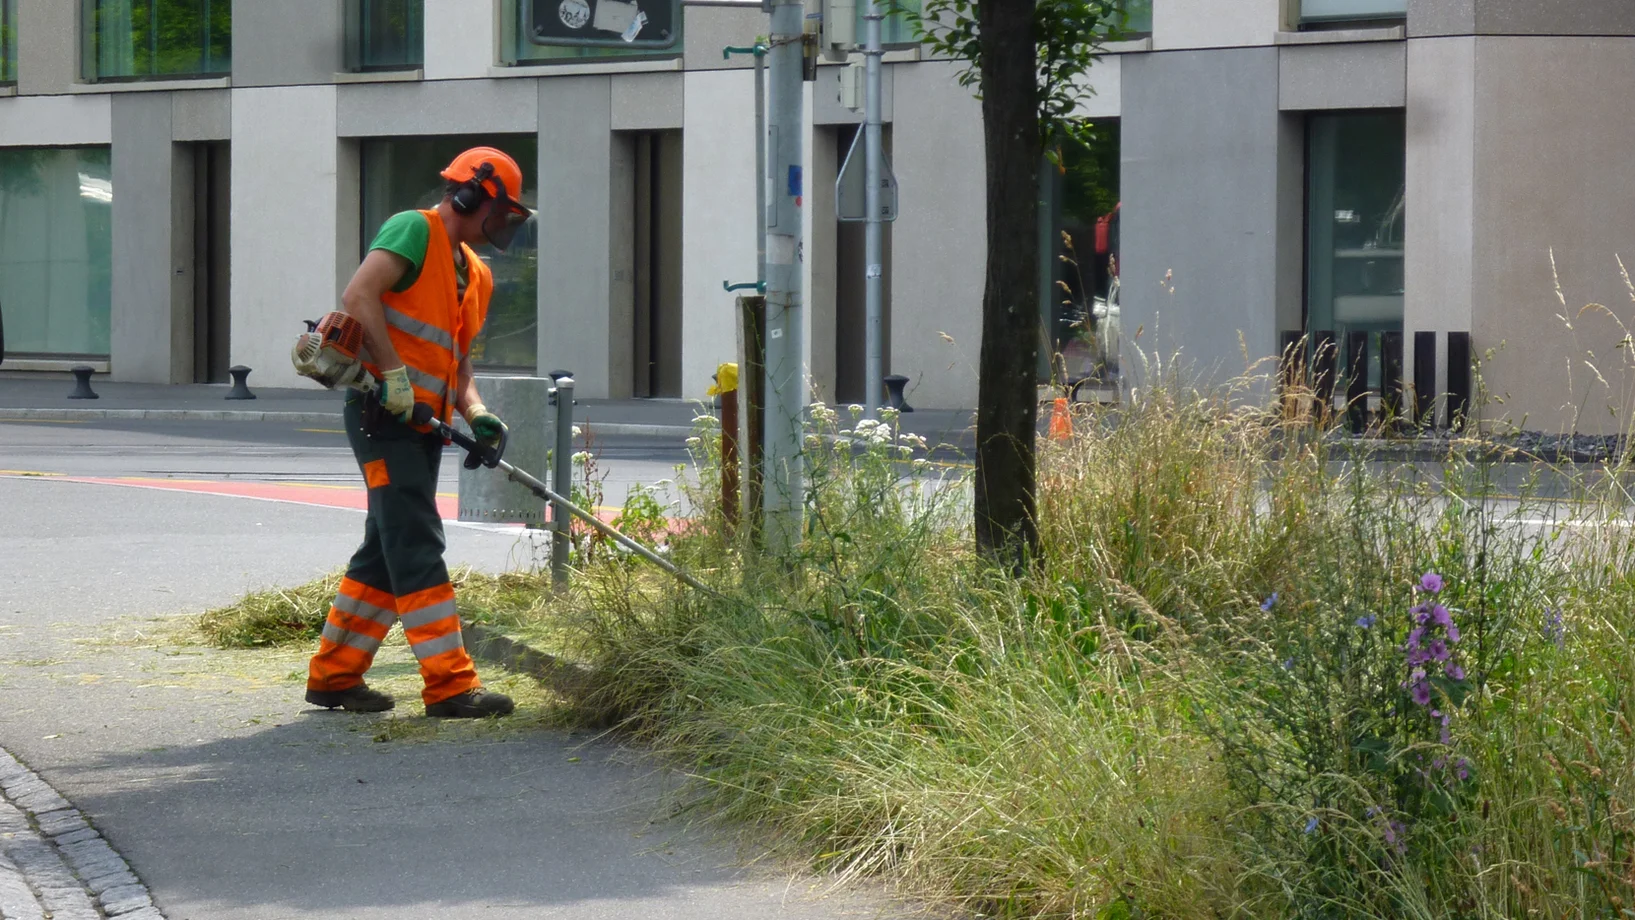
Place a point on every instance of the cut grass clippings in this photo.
(517, 602)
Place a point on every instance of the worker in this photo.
(421, 296)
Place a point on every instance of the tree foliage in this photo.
(1069, 34)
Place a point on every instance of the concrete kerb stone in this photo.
(53, 863)
(612, 429)
(167, 415)
(566, 678)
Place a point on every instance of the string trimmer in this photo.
(330, 352)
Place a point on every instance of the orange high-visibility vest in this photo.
(429, 325)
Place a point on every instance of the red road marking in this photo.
(355, 498)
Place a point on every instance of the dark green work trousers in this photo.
(402, 551)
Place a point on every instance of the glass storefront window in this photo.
(56, 249)
(1355, 175)
(897, 28)
(401, 173)
(1138, 17)
(1078, 259)
(1354, 10)
(579, 16)
(385, 34)
(144, 39)
(8, 41)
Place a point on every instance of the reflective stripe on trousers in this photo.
(398, 571)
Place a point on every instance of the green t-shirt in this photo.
(408, 233)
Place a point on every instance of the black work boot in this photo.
(473, 704)
(352, 699)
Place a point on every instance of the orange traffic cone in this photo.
(1061, 421)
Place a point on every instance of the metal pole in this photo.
(785, 374)
(760, 164)
(874, 369)
(562, 466)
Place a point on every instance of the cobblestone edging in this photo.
(53, 864)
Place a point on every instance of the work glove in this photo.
(396, 393)
(485, 425)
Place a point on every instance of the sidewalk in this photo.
(44, 397)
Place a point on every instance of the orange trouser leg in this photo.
(359, 619)
(433, 630)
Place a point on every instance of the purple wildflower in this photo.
(1416, 634)
(1453, 631)
(1422, 693)
(1366, 622)
(1288, 664)
(1440, 762)
(1441, 617)
(1311, 824)
(1267, 604)
(1439, 650)
(1418, 657)
(1463, 770)
(1555, 629)
(1447, 734)
(1431, 583)
(1455, 672)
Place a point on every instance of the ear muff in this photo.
(471, 194)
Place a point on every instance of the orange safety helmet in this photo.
(484, 174)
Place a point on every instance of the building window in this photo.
(56, 246)
(385, 34)
(1078, 260)
(1323, 11)
(580, 29)
(402, 173)
(147, 39)
(1355, 183)
(1138, 18)
(8, 41)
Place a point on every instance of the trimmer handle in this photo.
(477, 454)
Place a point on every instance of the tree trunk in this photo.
(1007, 400)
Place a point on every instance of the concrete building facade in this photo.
(1370, 167)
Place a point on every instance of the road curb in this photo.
(53, 863)
(568, 678)
(166, 415)
(612, 429)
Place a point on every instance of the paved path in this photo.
(232, 800)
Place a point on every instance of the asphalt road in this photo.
(235, 801)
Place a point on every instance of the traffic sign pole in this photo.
(784, 477)
(874, 366)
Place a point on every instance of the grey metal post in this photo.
(874, 369)
(760, 166)
(785, 372)
(562, 466)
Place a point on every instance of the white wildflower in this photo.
(855, 410)
(694, 442)
(581, 458)
(578, 432)
(888, 414)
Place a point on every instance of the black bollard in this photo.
(894, 392)
(82, 384)
(240, 390)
